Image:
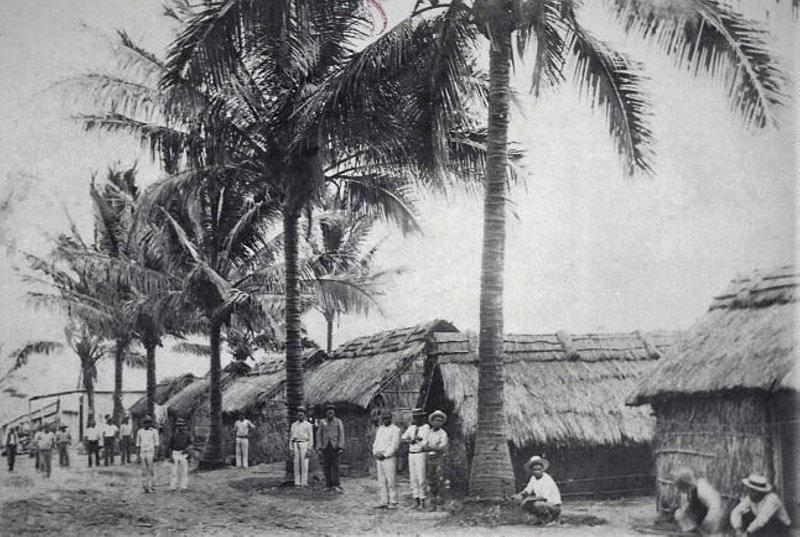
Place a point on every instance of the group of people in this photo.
(759, 513)
(325, 437)
(43, 443)
(106, 438)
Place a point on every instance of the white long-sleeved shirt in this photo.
(147, 439)
(92, 434)
(302, 431)
(387, 440)
(125, 429)
(435, 442)
(412, 433)
(769, 506)
(544, 487)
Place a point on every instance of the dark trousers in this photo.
(46, 461)
(108, 452)
(36, 461)
(63, 454)
(93, 448)
(543, 512)
(774, 527)
(125, 449)
(11, 454)
(434, 474)
(330, 465)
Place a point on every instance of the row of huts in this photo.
(614, 413)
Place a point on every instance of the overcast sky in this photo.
(588, 249)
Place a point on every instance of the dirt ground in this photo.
(109, 501)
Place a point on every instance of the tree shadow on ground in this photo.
(508, 514)
(276, 486)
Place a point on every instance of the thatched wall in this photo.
(164, 390)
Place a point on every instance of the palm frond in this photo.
(21, 355)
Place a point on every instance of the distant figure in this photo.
(45, 444)
(414, 436)
(146, 444)
(330, 445)
(11, 444)
(110, 432)
(179, 446)
(92, 441)
(63, 442)
(760, 513)
(242, 428)
(301, 440)
(541, 497)
(125, 441)
(384, 449)
(700, 508)
(35, 448)
(434, 444)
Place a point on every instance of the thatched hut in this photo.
(564, 398)
(367, 374)
(726, 397)
(164, 391)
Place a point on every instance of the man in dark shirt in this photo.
(178, 449)
(330, 444)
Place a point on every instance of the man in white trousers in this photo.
(384, 448)
(414, 436)
(147, 442)
(242, 428)
(301, 439)
(179, 445)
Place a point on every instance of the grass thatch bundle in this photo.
(164, 390)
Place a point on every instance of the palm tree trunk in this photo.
(212, 456)
(88, 386)
(150, 349)
(492, 476)
(329, 323)
(294, 350)
(119, 361)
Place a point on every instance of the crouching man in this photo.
(541, 497)
(760, 512)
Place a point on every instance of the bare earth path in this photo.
(109, 501)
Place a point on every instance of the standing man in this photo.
(384, 448)
(11, 443)
(179, 446)
(146, 444)
(435, 446)
(92, 441)
(242, 428)
(760, 513)
(125, 441)
(301, 439)
(45, 444)
(35, 448)
(63, 442)
(110, 432)
(414, 436)
(541, 497)
(330, 445)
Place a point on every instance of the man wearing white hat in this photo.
(541, 497)
(384, 449)
(434, 444)
(760, 512)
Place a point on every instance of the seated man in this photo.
(541, 497)
(760, 512)
(700, 507)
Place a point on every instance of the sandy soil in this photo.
(109, 501)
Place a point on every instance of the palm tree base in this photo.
(210, 464)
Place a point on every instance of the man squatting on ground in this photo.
(541, 497)
(45, 445)
(384, 448)
(11, 443)
(330, 445)
(63, 442)
(434, 444)
(301, 440)
(414, 436)
(179, 445)
(146, 443)
(760, 513)
(91, 438)
(700, 505)
(125, 441)
(242, 429)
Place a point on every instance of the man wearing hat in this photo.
(760, 512)
(700, 507)
(384, 449)
(413, 436)
(301, 439)
(63, 441)
(330, 445)
(541, 497)
(178, 448)
(146, 444)
(434, 444)
(92, 442)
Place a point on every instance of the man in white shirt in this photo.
(435, 445)
(242, 429)
(414, 436)
(384, 448)
(700, 505)
(45, 443)
(541, 497)
(110, 432)
(125, 440)
(92, 442)
(146, 443)
(760, 513)
(301, 439)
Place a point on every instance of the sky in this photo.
(589, 249)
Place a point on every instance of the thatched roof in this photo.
(358, 369)
(560, 389)
(746, 341)
(164, 390)
(241, 393)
